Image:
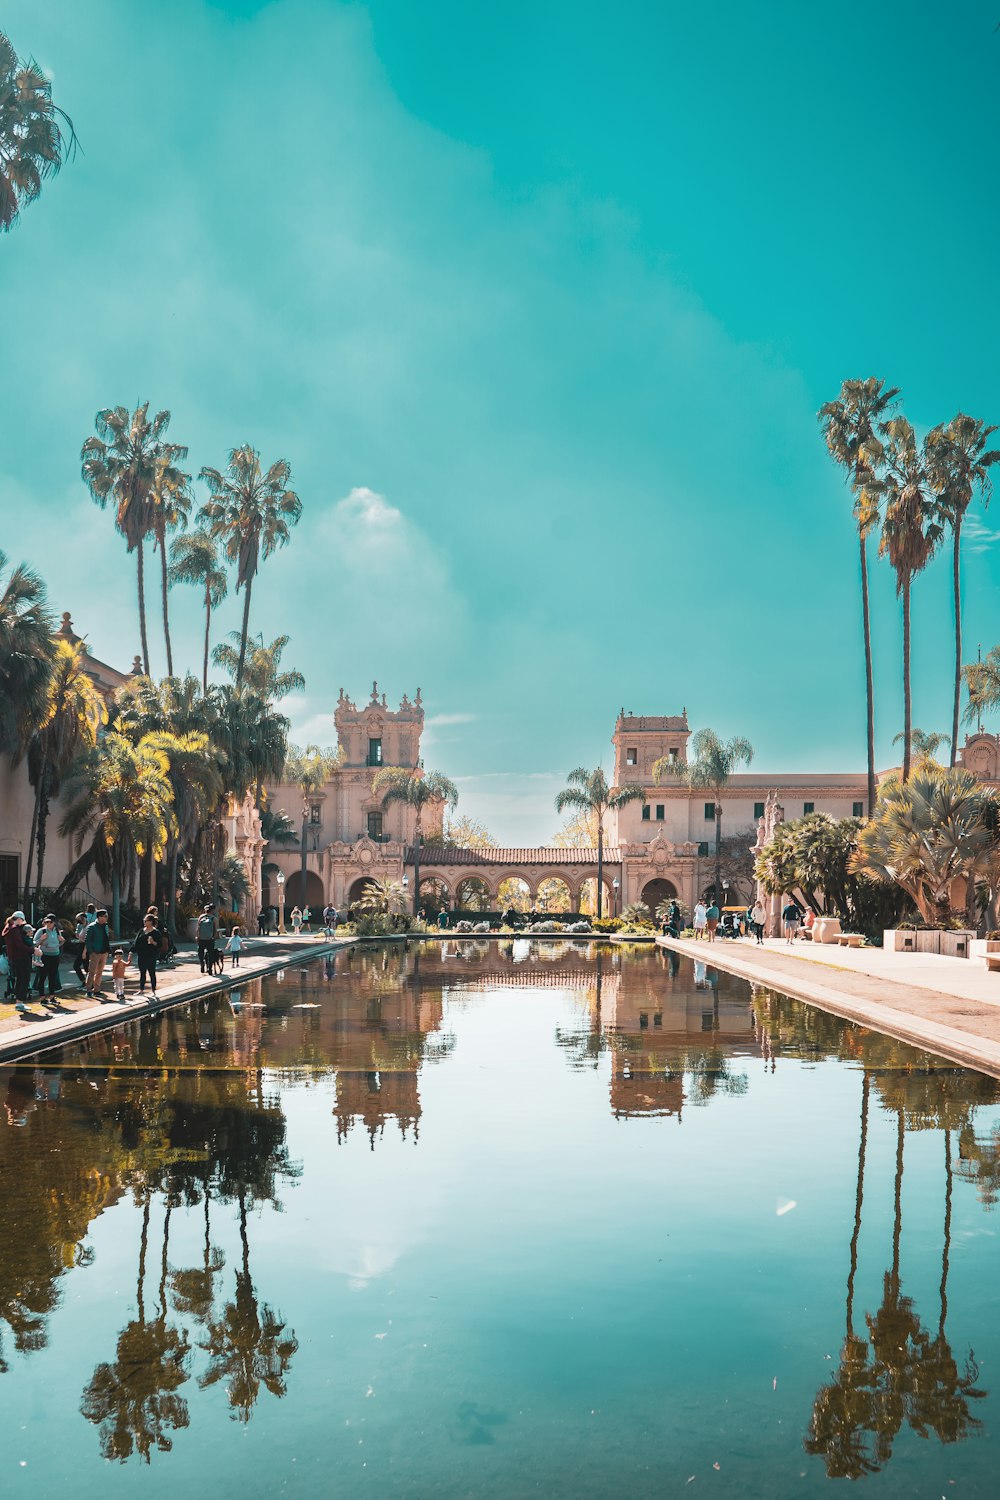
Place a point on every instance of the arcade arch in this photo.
(473, 894)
(311, 895)
(514, 894)
(554, 894)
(434, 896)
(588, 898)
(656, 891)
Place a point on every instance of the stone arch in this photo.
(655, 891)
(357, 889)
(514, 892)
(312, 895)
(472, 893)
(434, 895)
(554, 893)
(587, 897)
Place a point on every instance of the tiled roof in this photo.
(436, 854)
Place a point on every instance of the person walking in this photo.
(699, 919)
(49, 945)
(79, 935)
(758, 916)
(712, 920)
(20, 951)
(97, 946)
(206, 932)
(146, 948)
(235, 946)
(790, 916)
(306, 918)
(262, 923)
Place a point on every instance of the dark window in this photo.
(374, 752)
(9, 881)
(315, 814)
(673, 752)
(703, 849)
(808, 807)
(632, 756)
(857, 809)
(758, 809)
(659, 812)
(375, 826)
(710, 812)
(658, 1018)
(643, 1020)
(645, 812)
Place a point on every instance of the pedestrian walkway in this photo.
(74, 1015)
(946, 1005)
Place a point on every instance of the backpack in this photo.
(206, 929)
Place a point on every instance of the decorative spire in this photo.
(374, 692)
(137, 666)
(418, 698)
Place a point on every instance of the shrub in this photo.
(606, 924)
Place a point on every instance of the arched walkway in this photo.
(473, 894)
(588, 898)
(434, 896)
(656, 891)
(514, 894)
(554, 895)
(358, 889)
(312, 896)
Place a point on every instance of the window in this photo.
(808, 807)
(10, 871)
(645, 812)
(658, 1019)
(673, 752)
(632, 756)
(709, 812)
(758, 809)
(659, 812)
(374, 752)
(315, 814)
(703, 849)
(375, 827)
(644, 1020)
(857, 809)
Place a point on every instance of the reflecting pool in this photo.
(497, 1220)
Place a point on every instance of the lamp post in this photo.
(406, 882)
(281, 903)
(616, 886)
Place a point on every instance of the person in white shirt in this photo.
(758, 917)
(700, 919)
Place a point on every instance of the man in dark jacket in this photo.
(97, 946)
(205, 932)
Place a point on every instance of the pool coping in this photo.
(833, 993)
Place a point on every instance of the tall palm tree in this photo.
(26, 653)
(588, 792)
(195, 559)
(262, 672)
(911, 533)
(714, 763)
(253, 737)
(74, 714)
(924, 743)
(250, 512)
(170, 498)
(851, 425)
(419, 790)
(36, 136)
(123, 463)
(959, 462)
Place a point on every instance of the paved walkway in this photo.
(947, 1005)
(74, 1015)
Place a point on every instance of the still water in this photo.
(498, 1221)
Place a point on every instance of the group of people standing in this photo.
(752, 922)
(32, 956)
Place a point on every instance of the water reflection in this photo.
(182, 1114)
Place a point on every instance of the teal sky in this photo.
(539, 301)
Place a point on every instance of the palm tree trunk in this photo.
(869, 684)
(142, 609)
(600, 865)
(43, 818)
(116, 901)
(859, 1198)
(80, 867)
(172, 892)
(164, 586)
(208, 626)
(946, 1249)
(718, 851)
(907, 706)
(957, 586)
(244, 631)
(30, 856)
(143, 1244)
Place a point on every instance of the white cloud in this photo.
(977, 537)
(437, 721)
(364, 508)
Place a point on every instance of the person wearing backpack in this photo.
(206, 931)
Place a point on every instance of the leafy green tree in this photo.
(463, 833)
(253, 736)
(714, 763)
(125, 462)
(852, 425)
(251, 513)
(959, 462)
(195, 560)
(36, 136)
(911, 533)
(588, 793)
(26, 654)
(262, 672)
(419, 790)
(74, 714)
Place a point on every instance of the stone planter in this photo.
(958, 944)
(929, 940)
(899, 940)
(826, 929)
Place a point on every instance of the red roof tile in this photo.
(436, 854)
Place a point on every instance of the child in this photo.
(234, 945)
(118, 974)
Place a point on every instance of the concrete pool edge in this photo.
(833, 993)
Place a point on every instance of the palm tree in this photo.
(851, 427)
(195, 559)
(253, 736)
(959, 463)
(74, 714)
(310, 770)
(418, 790)
(911, 532)
(26, 652)
(262, 669)
(36, 136)
(588, 792)
(124, 462)
(385, 898)
(250, 512)
(170, 498)
(924, 744)
(714, 763)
